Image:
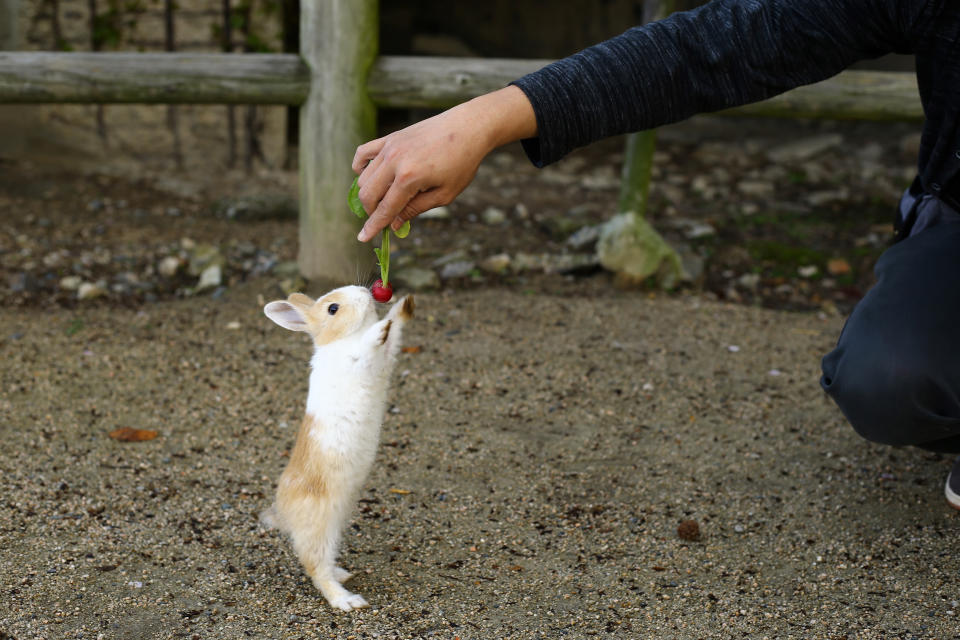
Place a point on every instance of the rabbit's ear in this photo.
(301, 300)
(286, 315)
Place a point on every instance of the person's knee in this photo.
(885, 396)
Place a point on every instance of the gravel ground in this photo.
(540, 453)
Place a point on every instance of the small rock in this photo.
(204, 256)
(70, 283)
(277, 206)
(89, 290)
(808, 271)
(286, 269)
(210, 278)
(233, 325)
(804, 149)
(520, 210)
(585, 237)
(689, 530)
(493, 216)
(454, 256)
(692, 229)
(749, 281)
(23, 282)
(457, 269)
(602, 178)
(497, 263)
(821, 198)
(437, 213)
(169, 266)
(838, 266)
(755, 188)
(417, 279)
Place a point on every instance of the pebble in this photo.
(755, 188)
(584, 237)
(749, 281)
(497, 263)
(454, 256)
(493, 216)
(416, 278)
(210, 278)
(437, 213)
(457, 269)
(808, 271)
(804, 148)
(169, 266)
(23, 283)
(89, 290)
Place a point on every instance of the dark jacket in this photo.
(733, 52)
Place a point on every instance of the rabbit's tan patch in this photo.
(306, 473)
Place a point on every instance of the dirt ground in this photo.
(542, 447)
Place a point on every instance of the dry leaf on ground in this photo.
(129, 434)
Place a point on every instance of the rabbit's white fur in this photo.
(354, 356)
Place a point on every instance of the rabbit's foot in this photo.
(338, 597)
(386, 331)
(341, 575)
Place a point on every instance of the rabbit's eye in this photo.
(332, 309)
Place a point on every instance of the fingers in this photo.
(423, 201)
(365, 153)
(393, 202)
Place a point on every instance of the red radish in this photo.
(381, 292)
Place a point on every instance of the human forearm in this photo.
(723, 54)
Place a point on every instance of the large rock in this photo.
(804, 148)
(632, 249)
(416, 278)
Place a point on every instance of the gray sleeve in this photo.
(723, 54)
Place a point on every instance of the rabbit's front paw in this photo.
(385, 333)
(349, 601)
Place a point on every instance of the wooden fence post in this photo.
(638, 157)
(338, 41)
(12, 117)
(628, 245)
(8, 24)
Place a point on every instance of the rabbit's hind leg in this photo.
(316, 545)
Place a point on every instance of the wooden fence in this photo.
(338, 80)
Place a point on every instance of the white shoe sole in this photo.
(952, 497)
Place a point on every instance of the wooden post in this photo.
(12, 118)
(338, 41)
(638, 156)
(9, 19)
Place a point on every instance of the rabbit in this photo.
(353, 359)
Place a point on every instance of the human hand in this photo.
(429, 163)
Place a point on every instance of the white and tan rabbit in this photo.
(354, 357)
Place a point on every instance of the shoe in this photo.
(953, 485)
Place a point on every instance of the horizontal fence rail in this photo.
(394, 81)
(153, 78)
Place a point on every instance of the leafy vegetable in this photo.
(383, 252)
